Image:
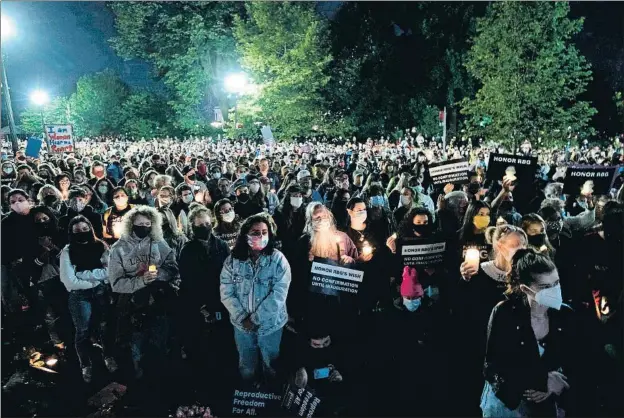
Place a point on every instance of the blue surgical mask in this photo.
(377, 201)
(420, 189)
(412, 304)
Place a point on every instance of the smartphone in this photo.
(322, 373)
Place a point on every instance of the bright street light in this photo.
(8, 29)
(236, 83)
(39, 97)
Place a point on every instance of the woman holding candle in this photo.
(140, 268)
(472, 232)
(112, 217)
(475, 294)
(532, 352)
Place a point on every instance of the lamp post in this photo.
(8, 31)
(40, 98)
(236, 84)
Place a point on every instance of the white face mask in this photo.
(550, 297)
(228, 217)
(254, 188)
(187, 199)
(405, 200)
(121, 201)
(360, 216)
(21, 207)
(296, 202)
(321, 224)
(412, 304)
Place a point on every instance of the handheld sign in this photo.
(594, 180)
(500, 165)
(255, 403)
(267, 135)
(422, 252)
(60, 138)
(33, 146)
(300, 402)
(455, 171)
(328, 278)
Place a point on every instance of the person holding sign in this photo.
(254, 284)
(480, 288)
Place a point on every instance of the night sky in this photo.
(56, 43)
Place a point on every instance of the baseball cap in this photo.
(303, 174)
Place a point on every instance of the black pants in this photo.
(52, 306)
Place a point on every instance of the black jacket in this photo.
(200, 266)
(88, 212)
(512, 361)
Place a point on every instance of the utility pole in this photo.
(7, 99)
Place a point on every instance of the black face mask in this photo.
(202, 232)
(44, 228)
(243, 197)
(537, 240)
(141, 231)
(192, 177)
(50, 201)
(422, 230)
(82, 237)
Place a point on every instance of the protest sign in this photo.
(595, 180)
(33, 147)
(522, 167)
(330, 279)
(454, 171)
(300, 402)
(255, 403)
(267, 135)
(484, 251)
(60, 138)
(422, 252)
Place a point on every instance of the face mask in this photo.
(21, 207)
(411, 305)
(377, 201)
(216, 176)
(78, 206)
(7, 170)
(141, 231)
(550, 297)
(405, 200)
(360, 216)
(133, 192)
(44, 228)
(50, 200)
(554, 227)
(187, 199)
(202, 232)
(421, 229)
(243, 197)
(82, 237)
(121, 201)
(103, 190)
(296, 202)
(228, 217)
(537, 240)
(192, 177)
(420, 189)
(164, 202)
(321, 224)
(257, 243)
(481, 222)
(254, 188)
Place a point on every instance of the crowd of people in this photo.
(205, 248)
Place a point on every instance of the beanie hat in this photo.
(410, 287)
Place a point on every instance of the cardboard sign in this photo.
(60, 138)
(267, 135)
(454, 171)
(33, 147)
(522, 167)
(595, 180)
(328, 278)
(422, 252)
(252, 404)
(300, 402)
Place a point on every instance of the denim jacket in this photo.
(256, 290)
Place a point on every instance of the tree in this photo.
(283, 45)
(96, 104)
(191, 48)
(530, 73)
(144, 115)
(58, 111)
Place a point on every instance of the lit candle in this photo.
(472, 257)
(152, 267)
(367, 249)
(51, 361)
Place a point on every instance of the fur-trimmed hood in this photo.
(148, 212)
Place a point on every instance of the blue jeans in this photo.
(90, 310)
(250, 346)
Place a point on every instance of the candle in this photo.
(472, 257)
(367, 249)
(152, 267)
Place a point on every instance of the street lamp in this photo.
(8, 31)
(236, 84)
(40, 98)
